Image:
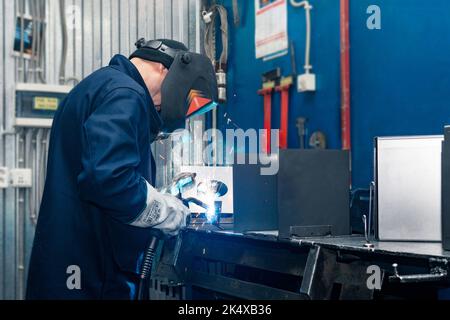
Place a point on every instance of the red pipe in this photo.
(345, 76)
(284, 118)
(267, 94)
(284, 89)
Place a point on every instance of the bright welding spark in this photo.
(211, 214)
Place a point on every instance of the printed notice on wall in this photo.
(271, 28)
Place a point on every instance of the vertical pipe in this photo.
(20, 221)
(345, 76)
(2, 151)
(124, 27)
(97, 35)
(10, 269)
(115, 29)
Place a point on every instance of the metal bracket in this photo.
(438, 273)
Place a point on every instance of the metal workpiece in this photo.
(320, 181)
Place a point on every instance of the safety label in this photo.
(46, 103)
(271, 37)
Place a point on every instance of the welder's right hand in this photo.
(163, 212)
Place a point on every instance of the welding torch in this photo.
(179, 184)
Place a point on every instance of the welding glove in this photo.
(163, 212)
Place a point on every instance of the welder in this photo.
(100, 203)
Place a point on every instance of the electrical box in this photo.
(16, 178)
(36, 104)
(306, 82)
(21, 178)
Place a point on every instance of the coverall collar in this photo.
(121, 63)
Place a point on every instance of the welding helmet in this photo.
(190, 87)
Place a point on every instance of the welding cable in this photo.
(308, 7)
(210, 51)
(209, 36)
(146, 268)
(149, 256)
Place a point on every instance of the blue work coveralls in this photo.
(99, 160)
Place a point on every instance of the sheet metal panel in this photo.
(408, 179)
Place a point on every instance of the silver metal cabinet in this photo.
(408, 180)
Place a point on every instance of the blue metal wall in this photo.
(400, 74)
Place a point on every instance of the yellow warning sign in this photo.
(45, 103)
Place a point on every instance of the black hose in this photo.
(147, 262)
(146, 269)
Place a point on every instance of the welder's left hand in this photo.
(164, 212)
(177, 219)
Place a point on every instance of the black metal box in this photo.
(313, 193)
(446, 190)
(255, 199)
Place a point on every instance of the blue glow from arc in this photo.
(211, 214)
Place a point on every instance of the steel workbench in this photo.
(205, 264)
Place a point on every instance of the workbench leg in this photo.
(318, 278)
